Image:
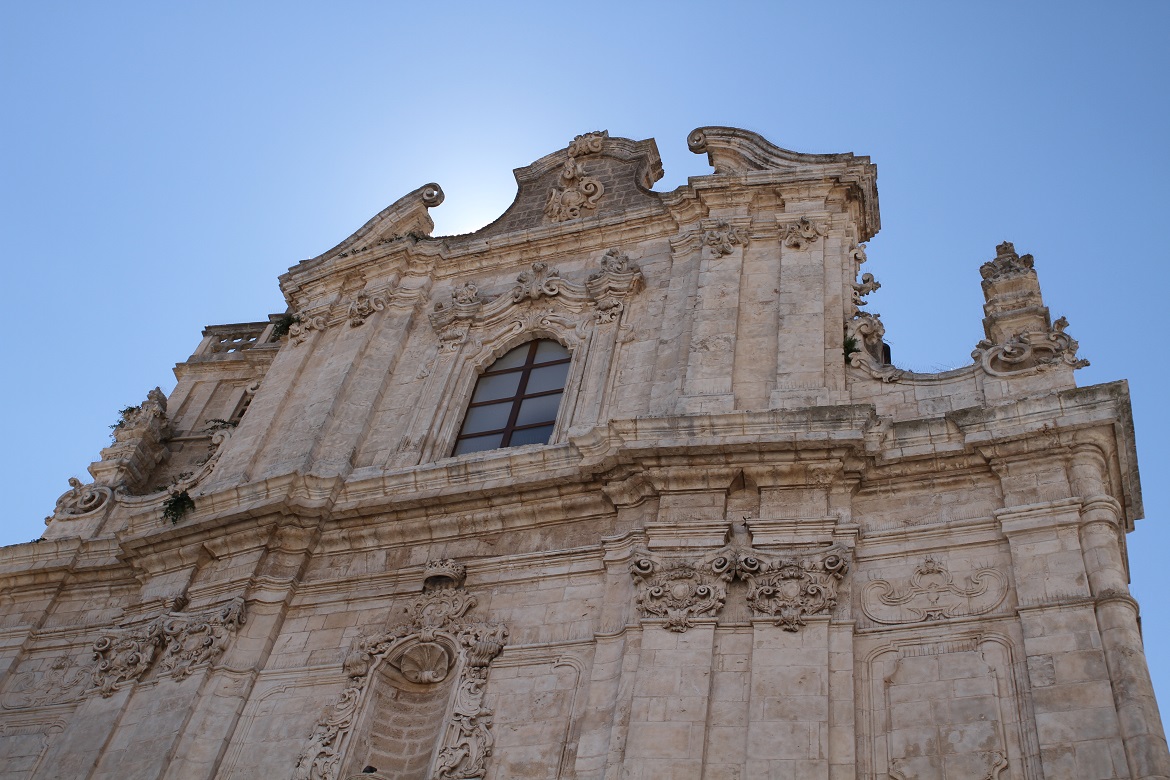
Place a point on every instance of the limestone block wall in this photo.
(752, 548)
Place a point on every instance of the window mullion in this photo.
(519, 398)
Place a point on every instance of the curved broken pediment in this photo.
(406, 217)
(593, 176)
(731, 150)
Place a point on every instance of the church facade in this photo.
(622, 485)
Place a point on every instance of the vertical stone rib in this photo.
(1133, 691)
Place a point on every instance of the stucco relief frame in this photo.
(999, 652)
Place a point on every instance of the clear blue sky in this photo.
(162, 163)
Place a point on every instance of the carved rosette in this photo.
(1030, 352)
(179, 642)
(579, 192)
(802, 233)
(932, 594)
(786, 587)
(423, 648)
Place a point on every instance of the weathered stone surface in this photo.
(751, 548)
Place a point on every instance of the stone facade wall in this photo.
(753, 547)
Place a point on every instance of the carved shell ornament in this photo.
(424, 663)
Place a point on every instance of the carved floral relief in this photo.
(599, 299)
(802, 233)
(722, 239)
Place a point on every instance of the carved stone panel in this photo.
(931, 593)
(62, 681)
(944, 719)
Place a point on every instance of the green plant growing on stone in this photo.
(850, 347)
(281, 325)
(176, 507)
(123, 414)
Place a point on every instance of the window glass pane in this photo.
(540, 409)
(478, 444)
(531, 436)
(550, 350)
(487, 418)
(489, 388)
(547, 378)
(511, 359)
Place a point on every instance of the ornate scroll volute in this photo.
(362, 307)
(426, 647)
(676, 590)
(453, 320)
(802, 233)
(579, 192)
(80, 500)
(538, 282)
(178, 642)
(618, 278)
(785, 586)
(722, 238)
(865, 347)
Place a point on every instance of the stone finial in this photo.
(1020, 334)
(1012, 293)
(1006, 263)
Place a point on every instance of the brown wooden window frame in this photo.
(525, 370)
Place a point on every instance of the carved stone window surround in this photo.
(583, 316)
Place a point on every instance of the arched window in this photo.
(516, 400)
